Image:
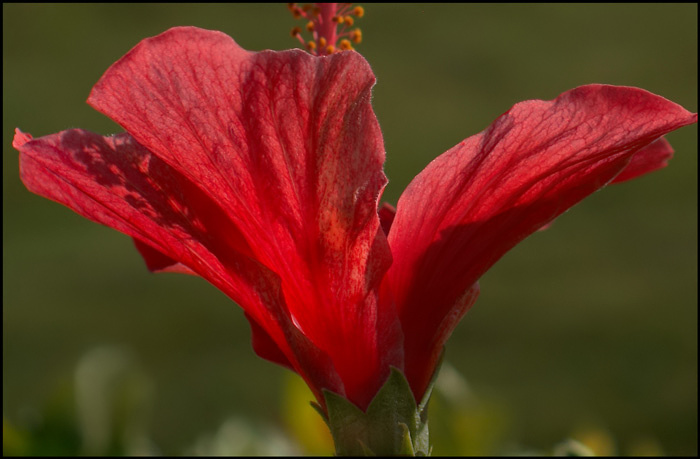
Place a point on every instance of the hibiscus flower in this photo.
(262, 173)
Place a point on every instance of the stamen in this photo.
(329, 25)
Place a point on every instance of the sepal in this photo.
(393, 424)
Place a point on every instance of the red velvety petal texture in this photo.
(286, 151)
(117, 182)
(480, 198)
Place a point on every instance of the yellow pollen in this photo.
(310, 26)
(296, 12)
(358, 11)
(311, 46)
(338, 19)
(356, 36)
(348, 21)
(295, 32)
(330, 49)
(322, 42)
(345, 44)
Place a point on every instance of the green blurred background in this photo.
(590, 323)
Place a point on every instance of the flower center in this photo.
(330, 26)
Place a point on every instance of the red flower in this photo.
(261, 172)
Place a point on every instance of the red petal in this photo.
(159, 263)
(117, 182)
(479, 199)
(386, 216)
(265, 346)
(287, 144)
(20, 138)
(650, 158)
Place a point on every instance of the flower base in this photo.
(393, 425)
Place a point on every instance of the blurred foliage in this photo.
(462, 422)
(302, 421)
(590, 323)
(102, 413)
(50, 431)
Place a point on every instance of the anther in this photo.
(358, 11)
(322, 42)
(356, 36)
(296, 31)
(310, 26)
(310, 45)
(330, 49)
(345, 44)
(348, 21)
